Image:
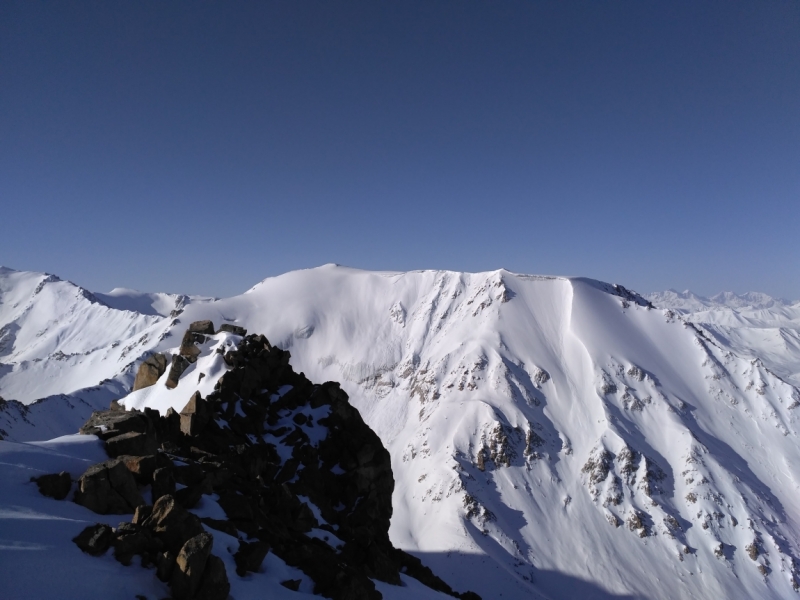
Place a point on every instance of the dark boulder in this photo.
(173, 524)
(214, 585)
(149, 371)
(130, 540)
(95, 539)
(234, 329)
(108, 488)
(249, 557)
(163, 483)
(165, 563)
(106, 424)
(189, 566)
(142, 467)
(206, 327)
(179, 365)
(132, 443)
(195, 415)
(56, 485)
(142, 514)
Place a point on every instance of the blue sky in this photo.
(200, 147)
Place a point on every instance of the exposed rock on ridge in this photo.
(295, 469)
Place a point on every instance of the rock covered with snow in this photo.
(292, 466)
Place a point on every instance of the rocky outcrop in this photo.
(206, 327)
(108, 488)
(149, 371)
(234, 329)
(195, 415)
(95, 539)
(189, 566)
(55, 486)
(295, 469)
(179, 365)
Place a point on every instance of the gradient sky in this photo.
(201, 147)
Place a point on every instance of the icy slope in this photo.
(549, 436)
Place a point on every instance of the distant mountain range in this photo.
(691, 302)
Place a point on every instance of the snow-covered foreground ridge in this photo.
(550, 436)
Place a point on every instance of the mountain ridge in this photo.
(553, 426)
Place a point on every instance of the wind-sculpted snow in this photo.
(566, 435)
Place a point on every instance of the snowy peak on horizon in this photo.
(688, 301)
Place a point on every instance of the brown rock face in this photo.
(172, 523)
(108, 488)
(195, 415)
(149, 371)
(206, 327)
(189, 566)
(142, 467)
(188, 348)
(179, 365)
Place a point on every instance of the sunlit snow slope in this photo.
(550, 436)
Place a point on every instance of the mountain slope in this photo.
(550, 437)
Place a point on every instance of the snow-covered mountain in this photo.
(550, 437)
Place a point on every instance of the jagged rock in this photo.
(106, 424)
(95, 539)
(108, 488)
(214, 585)
(172, 523)
(142, 467)
(165, 563)
(149, 371)
(54, 485)
(234, 329)
(189, 566)
(195, 415)
(141, 514)
(188, 348)
(130, 540)
(132, 443)
(219, 444)
(179, 365)
(206, 327)
(249, 557)
(163, 483)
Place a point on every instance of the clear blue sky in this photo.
(200, 147)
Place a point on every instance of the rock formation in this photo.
(149, 371)
(296, 470)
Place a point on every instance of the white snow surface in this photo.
(550, 437)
